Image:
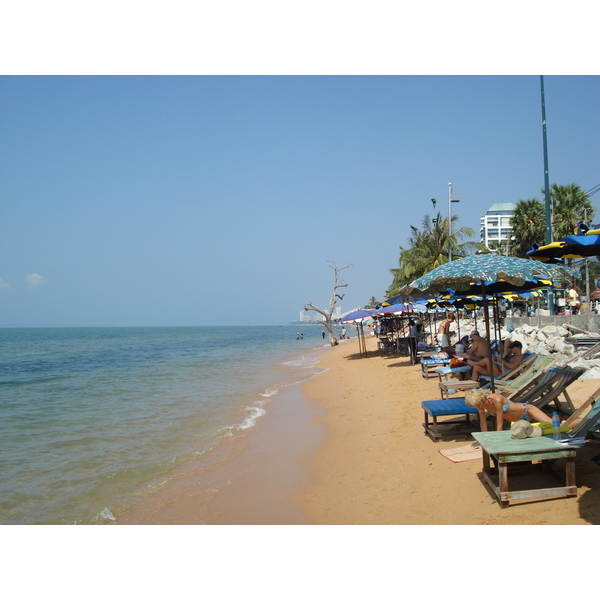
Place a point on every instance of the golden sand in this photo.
(378, 466)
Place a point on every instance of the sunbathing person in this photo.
(478, 348)
(502, 409)
(509, 361)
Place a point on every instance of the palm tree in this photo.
(528, 226)
(571, 206)
(373, 302)
(429, 248)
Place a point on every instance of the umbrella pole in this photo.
(486, 318)
(361, 339)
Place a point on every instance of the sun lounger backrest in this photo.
(566, 376)
(541, 364)
(590, 351)
(537, 385)
(591, 420)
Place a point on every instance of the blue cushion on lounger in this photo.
(435, 361)
(451, 406)
(450, 370)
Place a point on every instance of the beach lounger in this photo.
(428, 366)
(591, 422)
(547, 387)
(447, 408)
(511, 373)
(539, 365)
(591, 400)
(528, 367)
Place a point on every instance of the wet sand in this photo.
(348, 447)
(378, 467)
(249, 479)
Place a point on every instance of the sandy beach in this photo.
(378, 467)
(348, 448)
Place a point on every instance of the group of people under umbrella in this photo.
(480, 279)
(485, 278)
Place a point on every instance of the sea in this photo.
(92, 419)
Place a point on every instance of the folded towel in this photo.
(463, 453)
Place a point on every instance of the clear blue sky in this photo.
(219, 200)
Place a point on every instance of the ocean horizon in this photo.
(92, 419)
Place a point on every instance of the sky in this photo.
(205, 200)
(220, 199)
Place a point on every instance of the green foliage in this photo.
(373, 302)
(429, 248)
(570, 206)
(528, 223)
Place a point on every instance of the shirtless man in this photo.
(510, 361)
(478, 348)
(443, 336)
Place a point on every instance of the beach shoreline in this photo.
(347, 447)
(378, 467)
(250, 477)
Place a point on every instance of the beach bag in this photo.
(456, 362)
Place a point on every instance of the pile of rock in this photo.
(557, 340)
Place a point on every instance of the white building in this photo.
(495, 225)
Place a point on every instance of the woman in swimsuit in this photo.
(503, 409)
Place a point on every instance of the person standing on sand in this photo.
(444, 334)
(573, 299)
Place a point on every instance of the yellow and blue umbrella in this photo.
(585, 243)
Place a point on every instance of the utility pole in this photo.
(547, 189)
(451, 198)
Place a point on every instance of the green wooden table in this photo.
(505, 450)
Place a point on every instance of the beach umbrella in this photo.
(405, 300)
(483, 271)
(398, 309)
(585, 243)
(357, 315)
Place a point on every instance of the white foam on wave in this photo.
(105, 514)
(269, 393)
(255, 412)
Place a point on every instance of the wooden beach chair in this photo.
(511, 373)
(429, 366)
(539, 365)
(566, 376)
(527, 371)
(545, 388)
(452, 407)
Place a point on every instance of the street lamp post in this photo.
(451, 198)
(547, 188)
(434, 201)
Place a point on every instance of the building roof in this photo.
(501, 208)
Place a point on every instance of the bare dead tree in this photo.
(327, 314)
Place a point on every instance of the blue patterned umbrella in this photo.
(475, 274)
(484, 274)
